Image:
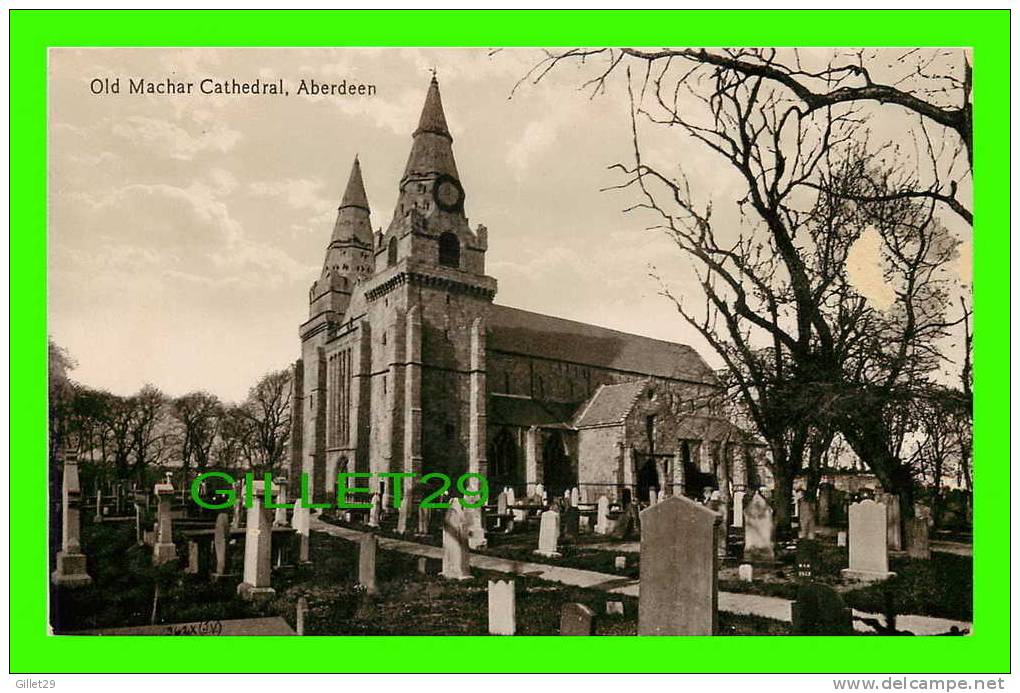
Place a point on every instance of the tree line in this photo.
(126, 436)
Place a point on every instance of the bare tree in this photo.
(148, 428)
(267, 410)
(196, 415)
(810, 353)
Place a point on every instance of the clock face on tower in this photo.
(448, 193)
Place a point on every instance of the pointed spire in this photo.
(432, 117)
(352, 219)
(354, 195)
(431, 151)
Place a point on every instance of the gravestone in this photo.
(424, 519)
(193, 567)
(893, 526)
(502, 608)
(366, 562)
(575, 497)
(475, 528)
(745, 572)
(738, 509)
(280, 515)
(302, 610)
(302, 522)
(373, 512)
(917, 538)
(501, 504)
(614, 608)
(602, 518)
(549, 534)
(841, 538)
(540, 492)
(138, 524)
(923, 511)
(620, 563)
(678, 588)
(819, 610)
(164, 550)
(99, 506)
(823, 518)
(455, 550)
(571, 523)
(869, 554)
(758, 530)
(808, 559)
(807, 518)
(653, 496)
(258, 542)
(70, 571)
(221, 537)
(576, 619)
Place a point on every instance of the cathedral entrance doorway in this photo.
(557, 472)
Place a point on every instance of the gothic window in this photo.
(391, 252)
(449, 250)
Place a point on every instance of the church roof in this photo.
(354, 195)
(524, 411)
(432, 117)
(693, 427)
(532, 334)
(610, 404)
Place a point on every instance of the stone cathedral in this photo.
(408, 365)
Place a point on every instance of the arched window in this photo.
(391, 252)
(449, 250)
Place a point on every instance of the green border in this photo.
(32, 32)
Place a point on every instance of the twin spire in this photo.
(431, 156)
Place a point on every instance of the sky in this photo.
(186, 230)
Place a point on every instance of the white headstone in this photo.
(841, 538)
(746, 572)
(501, 504)
(615, 607)
(869, 553)
(280, 514)
(302, 522)
(575, 497)
(366, 562)
(373, 512)
(502, 608)
(620, 562)
(164, 550)
(738, 509)
(653, 496)
(758, 529)
(549, 534)
(258, 544)
(602, 518)
(475, 528)
(455, 550)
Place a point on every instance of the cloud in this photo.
(864, 270)
(173, 140)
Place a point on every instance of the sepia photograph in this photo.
(510, 341)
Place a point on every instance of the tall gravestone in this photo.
(366, 562)
(258, 542)
(475, 528)
(678, 589)
(575, 497)
(502, 607)
(373, 512)
(759, 530)
(869, 553)
(302, 522)
(893, 521)
(164, 550)
(549, 534)
(738, 509)
(70, 571)
(221, 540)
(456, 562)
(424, 519)
(602, 516)
(918, 545)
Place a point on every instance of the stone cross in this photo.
(502, 608)
(455, 550)
(366, 563)
(869, 553)
(678, 585)
(602, 521)
(221, 538)
(258, 542)
(549, 534)
(302, 523)
(70, 570)
(164, 551)
(576, 619)
(758, 530)
(738, 509)
(373, 512)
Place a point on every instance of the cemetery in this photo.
(152, 561)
